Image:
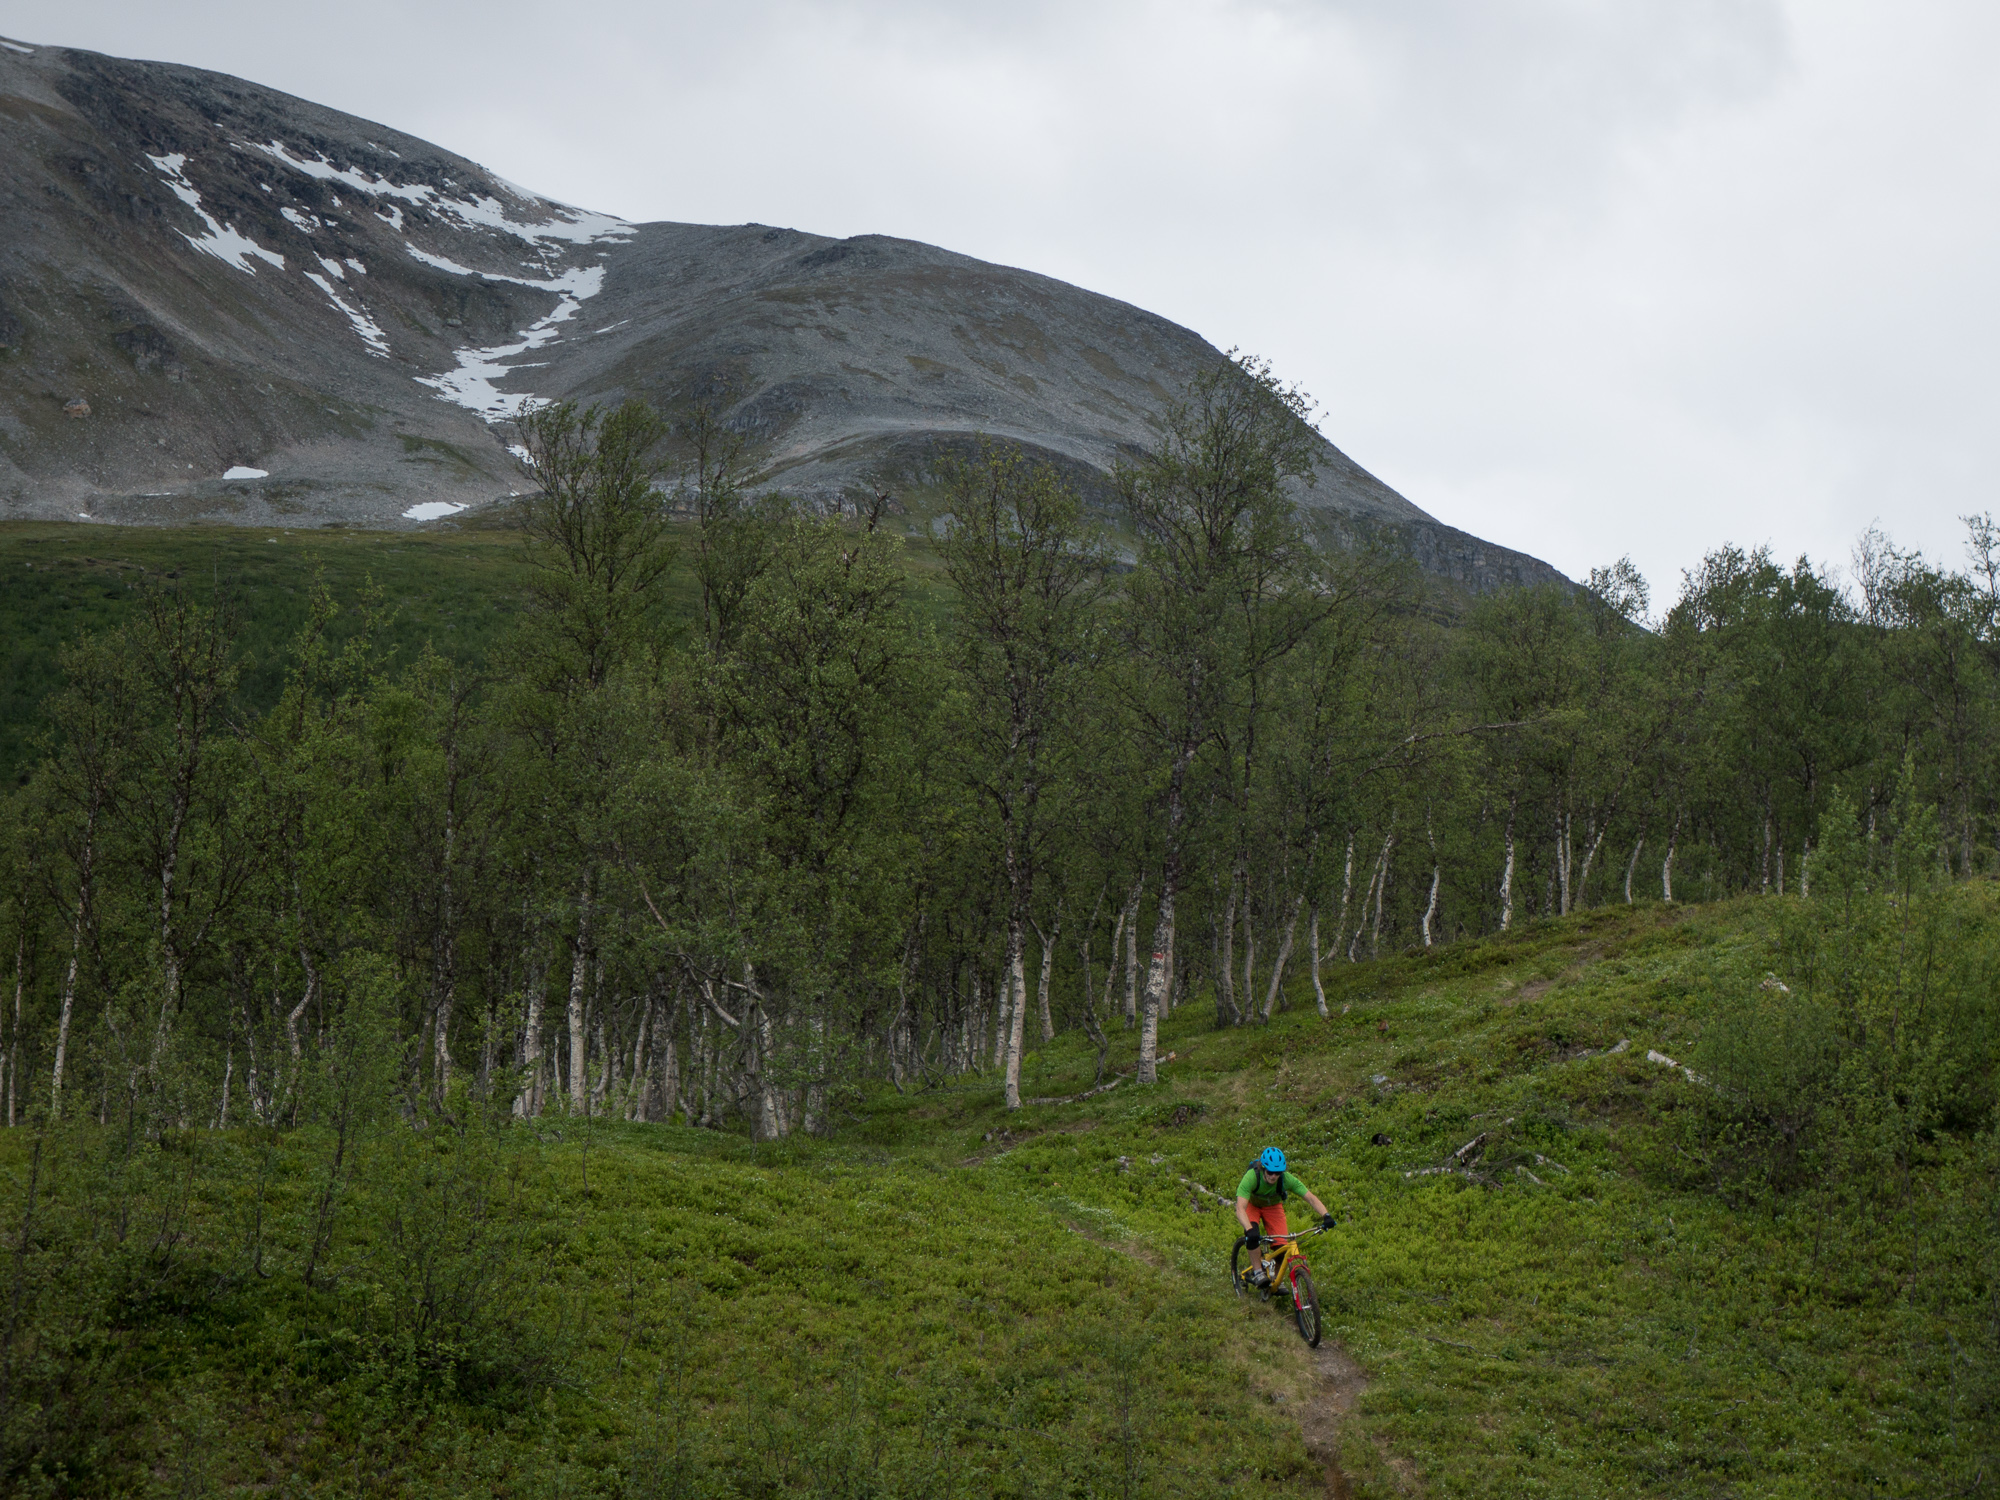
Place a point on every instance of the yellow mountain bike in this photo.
(1289, 1272)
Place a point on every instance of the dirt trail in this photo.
(1338, 1380)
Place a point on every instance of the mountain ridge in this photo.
(234, 279)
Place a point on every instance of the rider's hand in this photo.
(1326, 1221)
(1251, 1236)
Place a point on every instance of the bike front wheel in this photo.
(1240, 1261)
(1305, 1307)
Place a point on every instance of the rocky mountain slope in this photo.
(219, 302)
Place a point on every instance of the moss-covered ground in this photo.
(946, 1299)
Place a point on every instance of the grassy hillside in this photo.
(947, 1300)
(454, 588)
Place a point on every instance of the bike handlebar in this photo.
(1294, 1234)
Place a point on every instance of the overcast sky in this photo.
(1590, 279)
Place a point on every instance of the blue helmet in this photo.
(1272, 1159)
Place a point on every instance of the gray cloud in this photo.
(1587, 278)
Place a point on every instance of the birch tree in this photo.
(597, 549)
(1027, 575)
(93, 721)
(1217, 531)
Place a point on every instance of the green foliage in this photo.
(359, 982)
(959, 1300)
(458, 590)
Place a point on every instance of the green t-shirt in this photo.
(1260, 1196)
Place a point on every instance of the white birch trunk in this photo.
(1631, 866)
(1111, 964)
(1319, 989)
(1284, 954)
(1589, 858)
(1381, 894)
(769, 1123)
(638, 1089)
(530, 1101)
(1346, 887)
(86, 873)
(814, 1103)
(62, 1025)
(1158, 977)
(1437, 878)
(1003, 999)
(1562, 863)
(170, 961)
(1049, 940)
(1374, 893)
(579, 976)
(1507, 873)
(292, 1019)
(1017, 987)
(668, 1063)
(600, 1092)
(1667, 869)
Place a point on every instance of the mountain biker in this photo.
(1260, 1205)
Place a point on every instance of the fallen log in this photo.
(1102, 1088)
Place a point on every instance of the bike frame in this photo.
(1290, 1258)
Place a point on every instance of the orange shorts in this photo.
(1272, 1218)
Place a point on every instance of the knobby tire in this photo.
(1305, 1305)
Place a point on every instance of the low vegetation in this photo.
(1624, 1289)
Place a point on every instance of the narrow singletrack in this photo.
(1337, 1383)
(1338, 1379)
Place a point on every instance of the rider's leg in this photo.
(1272, 1221)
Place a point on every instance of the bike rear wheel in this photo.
(1305, 1307)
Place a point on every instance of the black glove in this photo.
(1252, 1236)
(1326, 1221)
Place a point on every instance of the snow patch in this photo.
(243, 472)
(471, 384)
(222, 240)
(370, 331)
(572, 225)
(303, 223)
(609, 326)
(393, 218)
(333, 268)
(356, 266)
(432, 510)
(17, 47)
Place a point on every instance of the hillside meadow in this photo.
(948, 1299)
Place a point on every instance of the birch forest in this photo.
(762, 806)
